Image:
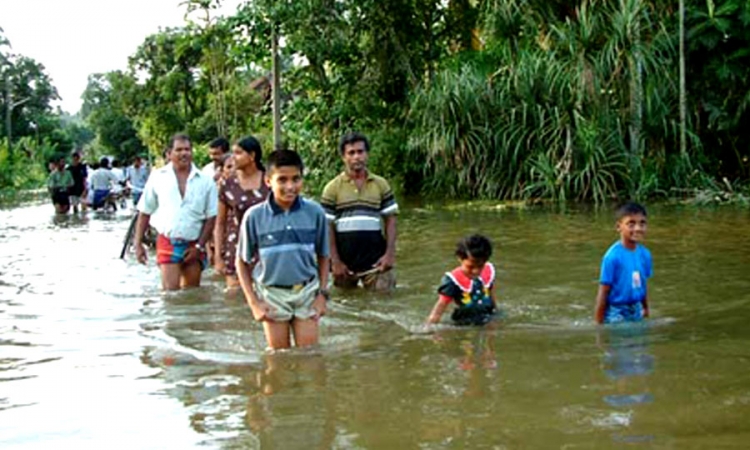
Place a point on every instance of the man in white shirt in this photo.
(119, 190)
(102, 182)
(216, 150)
(137, 175)
(181, 202)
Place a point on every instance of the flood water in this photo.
(93, 355)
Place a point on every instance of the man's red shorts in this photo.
(172, 251)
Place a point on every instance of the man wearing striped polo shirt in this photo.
(359, 206)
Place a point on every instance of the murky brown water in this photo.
(92, 355)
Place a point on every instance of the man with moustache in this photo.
(217, 150)
(359, 206)
(180, 202)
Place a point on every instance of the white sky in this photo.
(74, 38)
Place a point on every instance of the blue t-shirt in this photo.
(626, 272)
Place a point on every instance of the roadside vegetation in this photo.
(562, 100)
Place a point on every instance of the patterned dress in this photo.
(474, 305)
(237, 202)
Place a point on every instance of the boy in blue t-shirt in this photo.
(623, 292)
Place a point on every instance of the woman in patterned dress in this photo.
(237, 193)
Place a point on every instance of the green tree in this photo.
(108, 109)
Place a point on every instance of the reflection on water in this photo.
(628, 364)
(93, 355)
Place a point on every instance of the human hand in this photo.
(319, 306)
(191, 254)
(340, 269)
(219, 266)
(386, 262)
(140, 253)
(261, 310)
(646, 312)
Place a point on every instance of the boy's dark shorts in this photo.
(630, 312)
(61, 198)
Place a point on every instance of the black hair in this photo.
(221, 143)
(351, 138)
(224, 159)
(76, 154)
(179, 137)
(629, 209)
(104, 162)
(251, 145)
(475, 246)
(285, 158)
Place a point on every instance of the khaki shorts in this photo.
(288, 304)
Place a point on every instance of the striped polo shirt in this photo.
(287, 243)
(357, 217)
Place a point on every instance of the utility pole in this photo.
(8, 109)
(276, 75)
(9, 105)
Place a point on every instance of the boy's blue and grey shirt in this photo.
(287, 243)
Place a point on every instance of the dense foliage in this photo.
(32, 132)
(561, 99)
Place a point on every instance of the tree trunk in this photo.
(683, 88)
(8, 112)
(636, 86)
(276, 85)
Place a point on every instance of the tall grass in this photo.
(565, 109)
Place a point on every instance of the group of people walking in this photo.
(248, 218)
(99, 185)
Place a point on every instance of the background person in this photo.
(137, 175)
(79, 173)
(102, 182)
(59, 183)
(237, 193)
(216, 150)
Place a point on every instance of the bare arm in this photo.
(437, 311)
(646, 311)
(261, 310)
(140, 230)
(192, 253)
(219, 229)
(388, 260)
(601, 302)
(319, 304)
(338, 266)
(208, 231)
